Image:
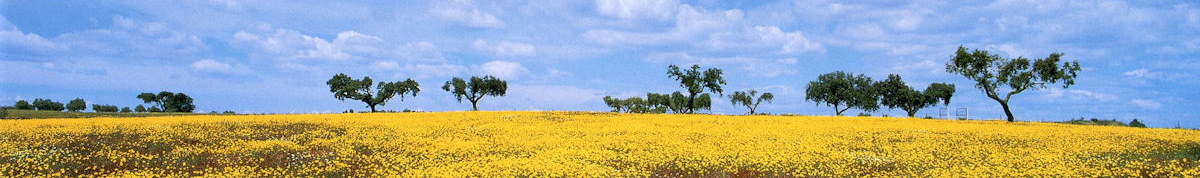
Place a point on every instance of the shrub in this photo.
(104, 108)
(1136, 123)
(126, 110)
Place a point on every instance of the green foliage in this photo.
(1136, 123)
(154, 109)
(228, 112)
(34, 114)
(140, 108)
(76, 105)
(47, 105)
(126, 110)
(840, 89)
(630, 105)
(475, 89)
(991, 72)
(661, 103)
(750, 99)
(1094, 121)
(168, 101)
(105, 108)
(695, 82)
(4, 112)
(344, 87)
(22, 104)
(896, 94)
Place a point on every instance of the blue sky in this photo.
(1140, 58)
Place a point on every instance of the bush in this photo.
(154, 109)
(1136, 123)
(140, 108)
(126, 110)
(104, 108)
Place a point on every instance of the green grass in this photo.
(33, 114)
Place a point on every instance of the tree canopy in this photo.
(695, 81)
(895, 93)
(168, 101)
(47, 105)
(475, 89)
(343, 87)
(76, 105)
(1000, 78)
(22, 104)
(840, 89)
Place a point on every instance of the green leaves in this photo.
(747, 99)
(990, 71)
(343, 87)
(476, 88)
(843, 89)
(895, 94)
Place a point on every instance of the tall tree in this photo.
(476, 88)
(839, 89)
(344, 87)
(695, 81)
(178, 102)
(22, 104)
(992, 72)
(750, 99)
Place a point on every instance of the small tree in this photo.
(344, 87)
(896, 94)
(139, 108)
(76, 105)
(674, 102)
(126, 110)
(104, 108)
(22, 104)
(475, 89)
(695, 81)
(839, 89)
(748, 99)
(1136, 123)
(991, 72)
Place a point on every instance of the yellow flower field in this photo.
(581, 144)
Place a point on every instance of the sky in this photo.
(1140, 59)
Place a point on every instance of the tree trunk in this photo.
(751, 111)
(474, 105)
(839, 111)
(1007, 112)
(372, 107)
(912, 113)
(691, 109)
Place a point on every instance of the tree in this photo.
(178, 102)
(476, 89)
(1136, 123)
(150, 98)
(940, 91)
(139, 108)
(839, 89)
(47, 105)
(76, 105)
(749, 100)
(695, 82)
(991, 72)
(628, 105)
(661, 103)
(22, 104)
(105, 108)
(344, 87)
(126, 110)
(896, 94)
(154, 109)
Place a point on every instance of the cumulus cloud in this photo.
(638, 9)
(16, 41)
(290, 44)
(712, 30)
(503, 69)
(130, 38)
(505, 48)
(466, 13)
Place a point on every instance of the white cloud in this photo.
(503, 69)
(16, 40)
(466, 13)
(290, 44)
(755, 66)
(505, 48)
(129, 38)
(1078, 94)
(638, 9)
(212, 66)
(1148, 104)
(700, 30)
(1142, 73)
(424, 71)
